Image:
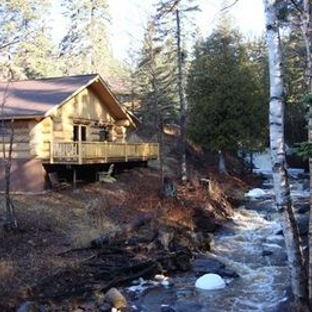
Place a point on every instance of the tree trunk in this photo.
(158, 125)
(251, 162)
(307, 36)
(277, 144)
(10, 217)
(182, 100)
(222, 166)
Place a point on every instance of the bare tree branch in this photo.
(229, 6)
(3, 102)
(167, 8)
(14, 41)
(296, 6)
(11, 221)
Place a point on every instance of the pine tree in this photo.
(26, 46)
(156, 76)
(85, 48)
(227, 109)
(172, 12)
(295, 87)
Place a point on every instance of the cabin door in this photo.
(80, 133)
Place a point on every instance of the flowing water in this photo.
(252, 245)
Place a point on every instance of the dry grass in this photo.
(49, 224)
(56, 222)
(7, 271)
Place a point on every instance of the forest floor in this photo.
(46, 259)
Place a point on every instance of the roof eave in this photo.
(50, 111)
(124, 110)
(18, 117)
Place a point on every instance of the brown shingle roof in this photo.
(31, 98)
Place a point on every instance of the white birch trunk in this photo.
(307, 36)
(277, 143)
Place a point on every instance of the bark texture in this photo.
(277, 143)
(222, 165)
(306, 16)
(182, 99)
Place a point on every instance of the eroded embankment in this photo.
(147, 234)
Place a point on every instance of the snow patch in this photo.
(256, 193)
(210, 281)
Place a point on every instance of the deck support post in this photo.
(79, 152)
(105, 152)
(126, 152)
(75, 177)
(51, 152)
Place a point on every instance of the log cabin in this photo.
(66, 124)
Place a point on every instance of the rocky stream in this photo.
(249, 255)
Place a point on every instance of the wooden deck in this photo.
(80, 153)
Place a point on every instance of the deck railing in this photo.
(102, 152)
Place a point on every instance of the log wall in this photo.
(32, 138)
(85, 109)
(21, 140)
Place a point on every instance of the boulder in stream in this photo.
(205, 266)
(266, 253)
(106, 307)
(303, 224)
(167, 308)
(201, 266)
(303, 208)
(210, 281)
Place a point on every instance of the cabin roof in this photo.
(38, 98)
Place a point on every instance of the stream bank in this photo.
(141, 234)
(249, 253)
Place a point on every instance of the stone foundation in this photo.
(27, 176)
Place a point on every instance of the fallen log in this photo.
(123, 232)
(89, 287)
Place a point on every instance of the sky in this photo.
(128, 19)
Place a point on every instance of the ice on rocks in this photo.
(256, 193)
(210, 281)
(295, 172)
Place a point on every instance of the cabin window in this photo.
(2, 129)
(104, 134)
(80, 133)
(83, 133)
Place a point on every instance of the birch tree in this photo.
(277, 145)
(307, 36)
(305, 12)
